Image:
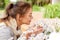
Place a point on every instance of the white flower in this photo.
(54, 36)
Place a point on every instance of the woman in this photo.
(19, 13)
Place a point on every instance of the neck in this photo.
(18, 24)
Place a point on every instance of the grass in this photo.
(52, 11)
(36, 8)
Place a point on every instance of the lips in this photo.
(30, 21)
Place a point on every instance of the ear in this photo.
(18, 17)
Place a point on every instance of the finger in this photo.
(39, 26)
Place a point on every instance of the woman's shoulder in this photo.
(4, 28)
(5, 32)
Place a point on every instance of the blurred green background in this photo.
(51, 7)
(35, 3)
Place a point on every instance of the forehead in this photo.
(29, 11)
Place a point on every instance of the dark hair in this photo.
(19, 7)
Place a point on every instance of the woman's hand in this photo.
(38, 30)
(28, 35)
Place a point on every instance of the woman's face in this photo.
(26, 19)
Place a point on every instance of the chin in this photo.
(28, 23)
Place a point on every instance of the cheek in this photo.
(26, 20)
